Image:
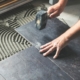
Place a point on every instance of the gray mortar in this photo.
(10, 41)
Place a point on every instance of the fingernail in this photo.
(54, 57)
(40, 51)
(44, 54)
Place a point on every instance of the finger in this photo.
(43, 46)
(57, 53)
(50, 10)
(55, 14)
(46, 48)
(49, 51)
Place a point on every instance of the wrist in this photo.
(73, 32)
(66, 37)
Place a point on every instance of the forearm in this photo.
(63, 2)
(73, 31)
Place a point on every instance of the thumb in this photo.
(50, 10)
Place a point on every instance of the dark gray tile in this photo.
(31, 66)
(69, 58)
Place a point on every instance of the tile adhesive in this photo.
(10, 41)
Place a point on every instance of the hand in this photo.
(55, 10)
(56, 44)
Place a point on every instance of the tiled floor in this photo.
(71, 55)
(70, 14)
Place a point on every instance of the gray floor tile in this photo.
(69, 59)
(32, 66)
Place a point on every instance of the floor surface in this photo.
(69, 58)
(15, 67)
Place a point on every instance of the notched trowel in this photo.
(41, 19)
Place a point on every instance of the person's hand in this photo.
(56, 44)
(55, 10)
